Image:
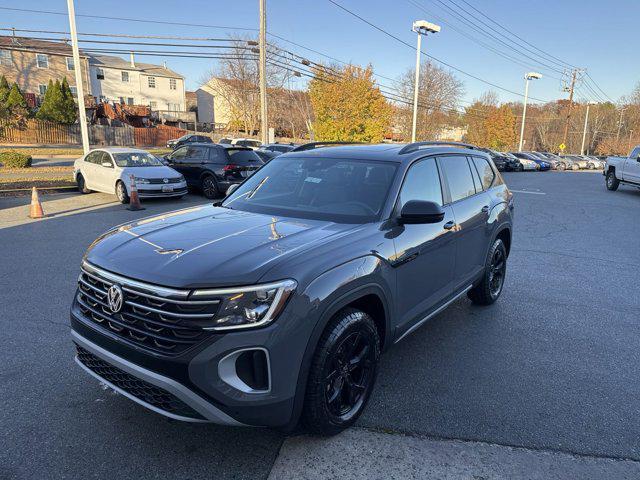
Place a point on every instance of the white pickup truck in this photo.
(623, 170)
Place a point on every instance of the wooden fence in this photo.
(39, 132)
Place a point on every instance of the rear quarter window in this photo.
(243, 157)
(487, 175)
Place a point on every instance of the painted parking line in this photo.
(528, 191)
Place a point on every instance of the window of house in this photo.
(42, 60)
(125, 76)
(130, 101)
(74, 91)
(152, 82)
(121, 100)
(102, 98)
(42, 89)
(99, 74)
(70, 64)
(153, 105)
(5, 57)
(172, 84)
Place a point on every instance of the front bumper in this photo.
(147, 190)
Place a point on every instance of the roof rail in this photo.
(415, 146)
(314, 145)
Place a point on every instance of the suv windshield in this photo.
(338, 190)
(136, 159)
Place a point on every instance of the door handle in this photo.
(485, 209)
(449, 225)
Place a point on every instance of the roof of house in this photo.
(108, 61)
(37, 46)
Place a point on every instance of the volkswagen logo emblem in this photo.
(165, 180)
(115, 298)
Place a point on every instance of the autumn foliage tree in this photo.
(348, 106)
(500, 126)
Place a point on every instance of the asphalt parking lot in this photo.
(552, 367)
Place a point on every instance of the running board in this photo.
(435, 312)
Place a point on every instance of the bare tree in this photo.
(439, 92)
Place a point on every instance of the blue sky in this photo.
(599, 36)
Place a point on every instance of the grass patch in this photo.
(36, 171)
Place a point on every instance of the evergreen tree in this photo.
(15, 98)
(68, 107)
(4, 90)
(46, 107)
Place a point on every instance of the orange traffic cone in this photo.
(35, 211)
(134, 200)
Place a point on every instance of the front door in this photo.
(425, 253)
(631, 167)
(105, 175)
(471, 206)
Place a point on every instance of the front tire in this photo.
(490, 288)
(612, 182)
(342, 373)
(82, 185)
(121, 192)
(591, 166)
(561, 167)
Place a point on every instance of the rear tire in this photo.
(121, 192)
(490, 288)
(209, 187)
(575, 167)
(561, 167)
(591, 166)
(342, 373)
(82, 186)
(612, 182)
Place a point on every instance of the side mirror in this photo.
(107, 164)
(232, 188)
(421, 211)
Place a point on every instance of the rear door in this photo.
(471, 206)
(631, 169)
(241, 163)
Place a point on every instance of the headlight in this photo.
(247, 307)
(141, 180)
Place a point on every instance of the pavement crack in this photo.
(427, 436)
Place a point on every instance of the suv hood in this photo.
(207, 246)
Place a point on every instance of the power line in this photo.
(431, 56)
(598, 87)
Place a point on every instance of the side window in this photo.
(104, 157)
(458, 175)
(486, 172)
(216, 155)
(92, 157)
(422, 182)
(635, 153)
(196, 153)
(179, 154)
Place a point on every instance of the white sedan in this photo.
(528, 164)
(109, 170)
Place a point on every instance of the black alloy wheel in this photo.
(490, 287)
(342, 373)
(209, 187)
(498, 268)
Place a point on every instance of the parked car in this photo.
(278, 147)
(109, 170)
(578, 161)
(557, 163)
(542, 164)
(499, 160)
(593, 163)
(241, 142)
(513, 163)
(189, 138)
(623, 170)
(266, 155)
(276, 304)
(212, 168)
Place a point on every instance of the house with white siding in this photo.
(116, 80)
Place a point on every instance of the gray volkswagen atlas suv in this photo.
(273, 305)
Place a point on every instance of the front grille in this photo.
(140, 389)
(148, 191)
(164, 321)
(158, 181)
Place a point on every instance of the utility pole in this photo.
(629, 142)
(77, 67)
(264, 125)
(571, 88)
(584, 132)
(620, 124)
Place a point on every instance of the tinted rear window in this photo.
(459, 179)
(485, 171)
(243, 157)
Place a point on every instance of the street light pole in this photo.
(527, 77)
(264, 125)
(415, 90)
(77, 67)
(584, 132)
(421, 27)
